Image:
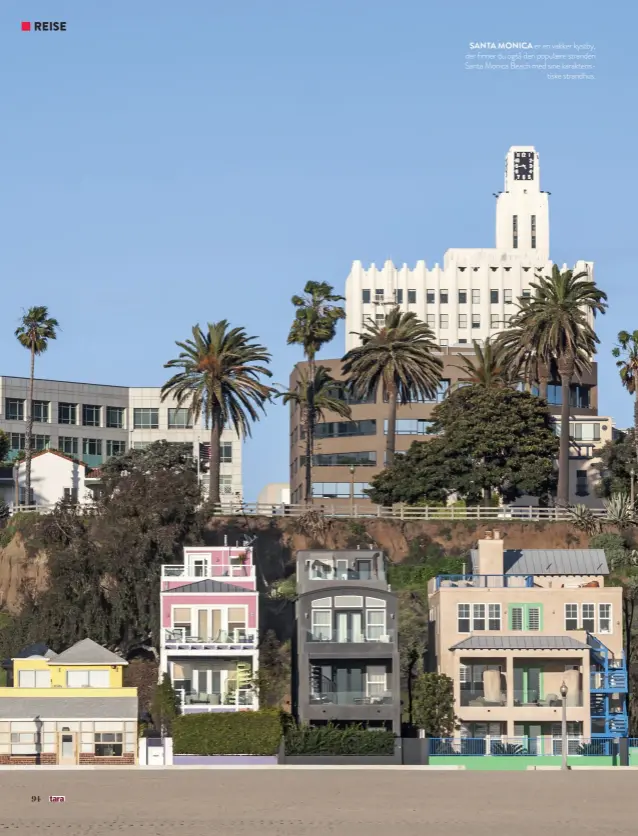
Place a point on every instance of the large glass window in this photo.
(115, 448)
(604, 618)
(179, 419)
(41, 442)
(411, 297)
(146, 419)
(339, 490)
(375, 625)
(338, 429)
(115, 417)
(579, 395)
(321, 625)
(108, 744)
(226, 452)
(40, 411)
(87, 679)
(91, 415)
(67, 413)
(92, 446)
(358, 459)
(34, 679)
(410, 426)
(365, 296)
(14, 409)
(68, 445)
(17, 441)
(585, 431)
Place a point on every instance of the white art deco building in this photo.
(474, 293)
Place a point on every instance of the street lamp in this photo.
(352, 469)
(632, 474)
(563, 693)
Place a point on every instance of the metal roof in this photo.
(520, 643)
(87, 652)
(71, 708)
(208, 585)
(551, 562)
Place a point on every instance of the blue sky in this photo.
(166, 164)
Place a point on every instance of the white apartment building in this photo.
(91, 422)
(474, 294)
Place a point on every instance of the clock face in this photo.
(523, 165)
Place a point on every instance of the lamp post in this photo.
(632, 475)
(563, 693)
(352, 469)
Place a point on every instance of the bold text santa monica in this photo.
(502, 45)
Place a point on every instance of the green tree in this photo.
(273, 677)
(487, 368)
(34, 333)
(314, 325)
(4, 445)
(221, 380)
(617, 458)
(626, 354)
(399, 357)
(556, 322)
(165, 706)
(434, 705)
(486, 441)
(413, 640)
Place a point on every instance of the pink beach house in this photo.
(209, 620)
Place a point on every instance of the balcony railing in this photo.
(350, 698)
(476, 699)
(330, 574)
(242, 697)
(485, 581)
(180, 638)
(386, 637)
(614, 680)
(532, 698)
(244, 571)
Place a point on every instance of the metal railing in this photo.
(485, 581)
(231, 699)
(530, 698)
(350, 698)
(181, 638)
(523, 746)
(245, 571)
(386, 637)
(614, 680)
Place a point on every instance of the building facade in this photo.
(347, 652)
(90, 423)
(474, 294)
(68, 708)
(210, 629)
(523, 625)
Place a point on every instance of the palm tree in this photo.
(220, 379)
(35, 331)
(626, 354)
(325, 398)
(555, 325)
(314, 325)
(400, 354)
(487, 368)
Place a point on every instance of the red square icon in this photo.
(26, 26)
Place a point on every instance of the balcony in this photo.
(180, 639)
(526, 699)
(199, 572)
(237, 700)
(351, 698)
(386, 637)
(329, 573)
(475, 698)
(485, 581)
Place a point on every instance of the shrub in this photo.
(228, 733)
(332, 740)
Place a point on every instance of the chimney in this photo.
(491, 554)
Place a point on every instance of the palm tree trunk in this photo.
(566, 371)
(543, 381)
(391, 440)
(29, 433)
(214, 497)
(636, 424)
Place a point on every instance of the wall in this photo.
(519, 762)
(212, 601)
(51, 474)
(58, 675)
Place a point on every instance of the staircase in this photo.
(608, 691)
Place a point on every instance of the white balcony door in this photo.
(199, 566)
(349, 626)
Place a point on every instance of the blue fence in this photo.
(523, 746)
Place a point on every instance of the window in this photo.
(463, 618)
(87, 679)
(376, 681)
(115, 417)
(507, 297)
(34, 679)
(226, 452)
(495, 320)
(90, 415)
(585, 432)
(571, 616)
(463, 320)
(225, 484)
(493, 297)
(410, 426)
(22, 496)
(339, 429)
(115, 448)
(430, 320)
(379, 320)
(321, 625)
(429, 297)
(71, 495)
(604, 618)
(515, 232)
(527, 294)
(14, 409)
(443, 297)
(398, 296)
(40, 411)
(494, 613)
(582, 484)
(359, 459)
(41, 442)
(339, 490)
(412, 297)
(179, 419)
(462, 342)
(68, 445)
(476, 320)
(443, 342)
(478, 617)
(525, 617)
(378, 295)
(17, 441)
(533, 230)
(365, 296)
(236, 619)
(146, 419)
(92, 446)
(476, 297)
(108, 744)
(462, 297)
(444, 320)
(589, 617)
(182, 618)
(375, 625)
(67, 413)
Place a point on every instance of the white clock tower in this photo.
(522, 210)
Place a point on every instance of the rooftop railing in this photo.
(485, 581)
(245, 571)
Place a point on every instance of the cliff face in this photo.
(277, 540)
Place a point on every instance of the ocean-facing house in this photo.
(68, 708)
(209, 628)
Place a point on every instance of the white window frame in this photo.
(591, 618)
(376, 684)
(327, 627)
(467, 618)
(602, 618)
(86, 681)
(480, 608)
(571, 617)
(370, 625)
(494, 614)
(24, 679)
